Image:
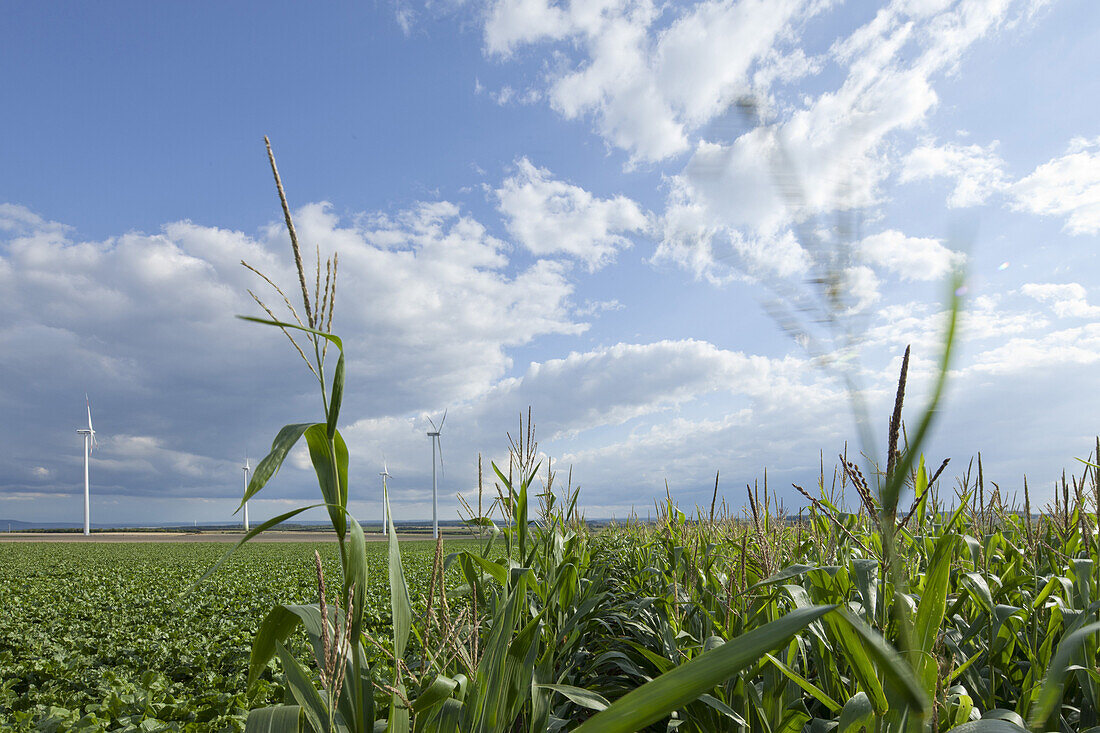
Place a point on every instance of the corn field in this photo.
(985, 619)
(957, 610)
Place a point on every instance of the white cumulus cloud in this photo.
(551, 217)
(1065, 299)
(428, 305)
(977, 171)
(910, 258)
(648, 85)
(819, 155)
(1067, 186)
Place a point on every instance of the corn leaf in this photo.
(278, 719)
(678, 687)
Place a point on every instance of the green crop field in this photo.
(979, 618)
(897, 600)
(105, 636)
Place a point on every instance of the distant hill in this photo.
(14, 525)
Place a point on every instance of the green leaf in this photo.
(1010, 716)
(480, 522)
(850, 647)
(858, 713)
(400, 605)
(278, 719)
(805, 684)
(1082, 575)
(280, 622)
(358, 575)
(793, 721)
(521, 514)
(401, 610)
(920, 492)
(678, 687)
(323, 334)
(540, 696)
(930, 611)
(785, 574)
(897, 674)
(580, 696)
(445, 718)
(712, 702)
(337, 396)
(1050, 695)
(332, 474)
(301, 687)
(865, 571)
(498, 572)
(490, 685)
(440, 690)
(979, 590)
(269, 466)
(357, 572)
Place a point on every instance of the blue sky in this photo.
(555, 205)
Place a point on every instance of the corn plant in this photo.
(951, 614)
(335, 633)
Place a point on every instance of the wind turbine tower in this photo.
(385, 474)
(246, 468)
(89, 445)
(434, 435)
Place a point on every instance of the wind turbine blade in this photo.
(434, 428)
(443, 420)
(89, 404)
(439, 445)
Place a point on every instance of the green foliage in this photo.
(544, 626)
(98, 637)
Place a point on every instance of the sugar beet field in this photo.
(977, 618)
(107, 637)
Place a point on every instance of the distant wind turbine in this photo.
(90, 444)
(385, 474)
(246, 468)
(434, 435)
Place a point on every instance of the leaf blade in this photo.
(674, 689)
(266, 469)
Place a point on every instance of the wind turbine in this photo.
(246, 468)
(434, 435)
(385, 474)
(89, 445)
